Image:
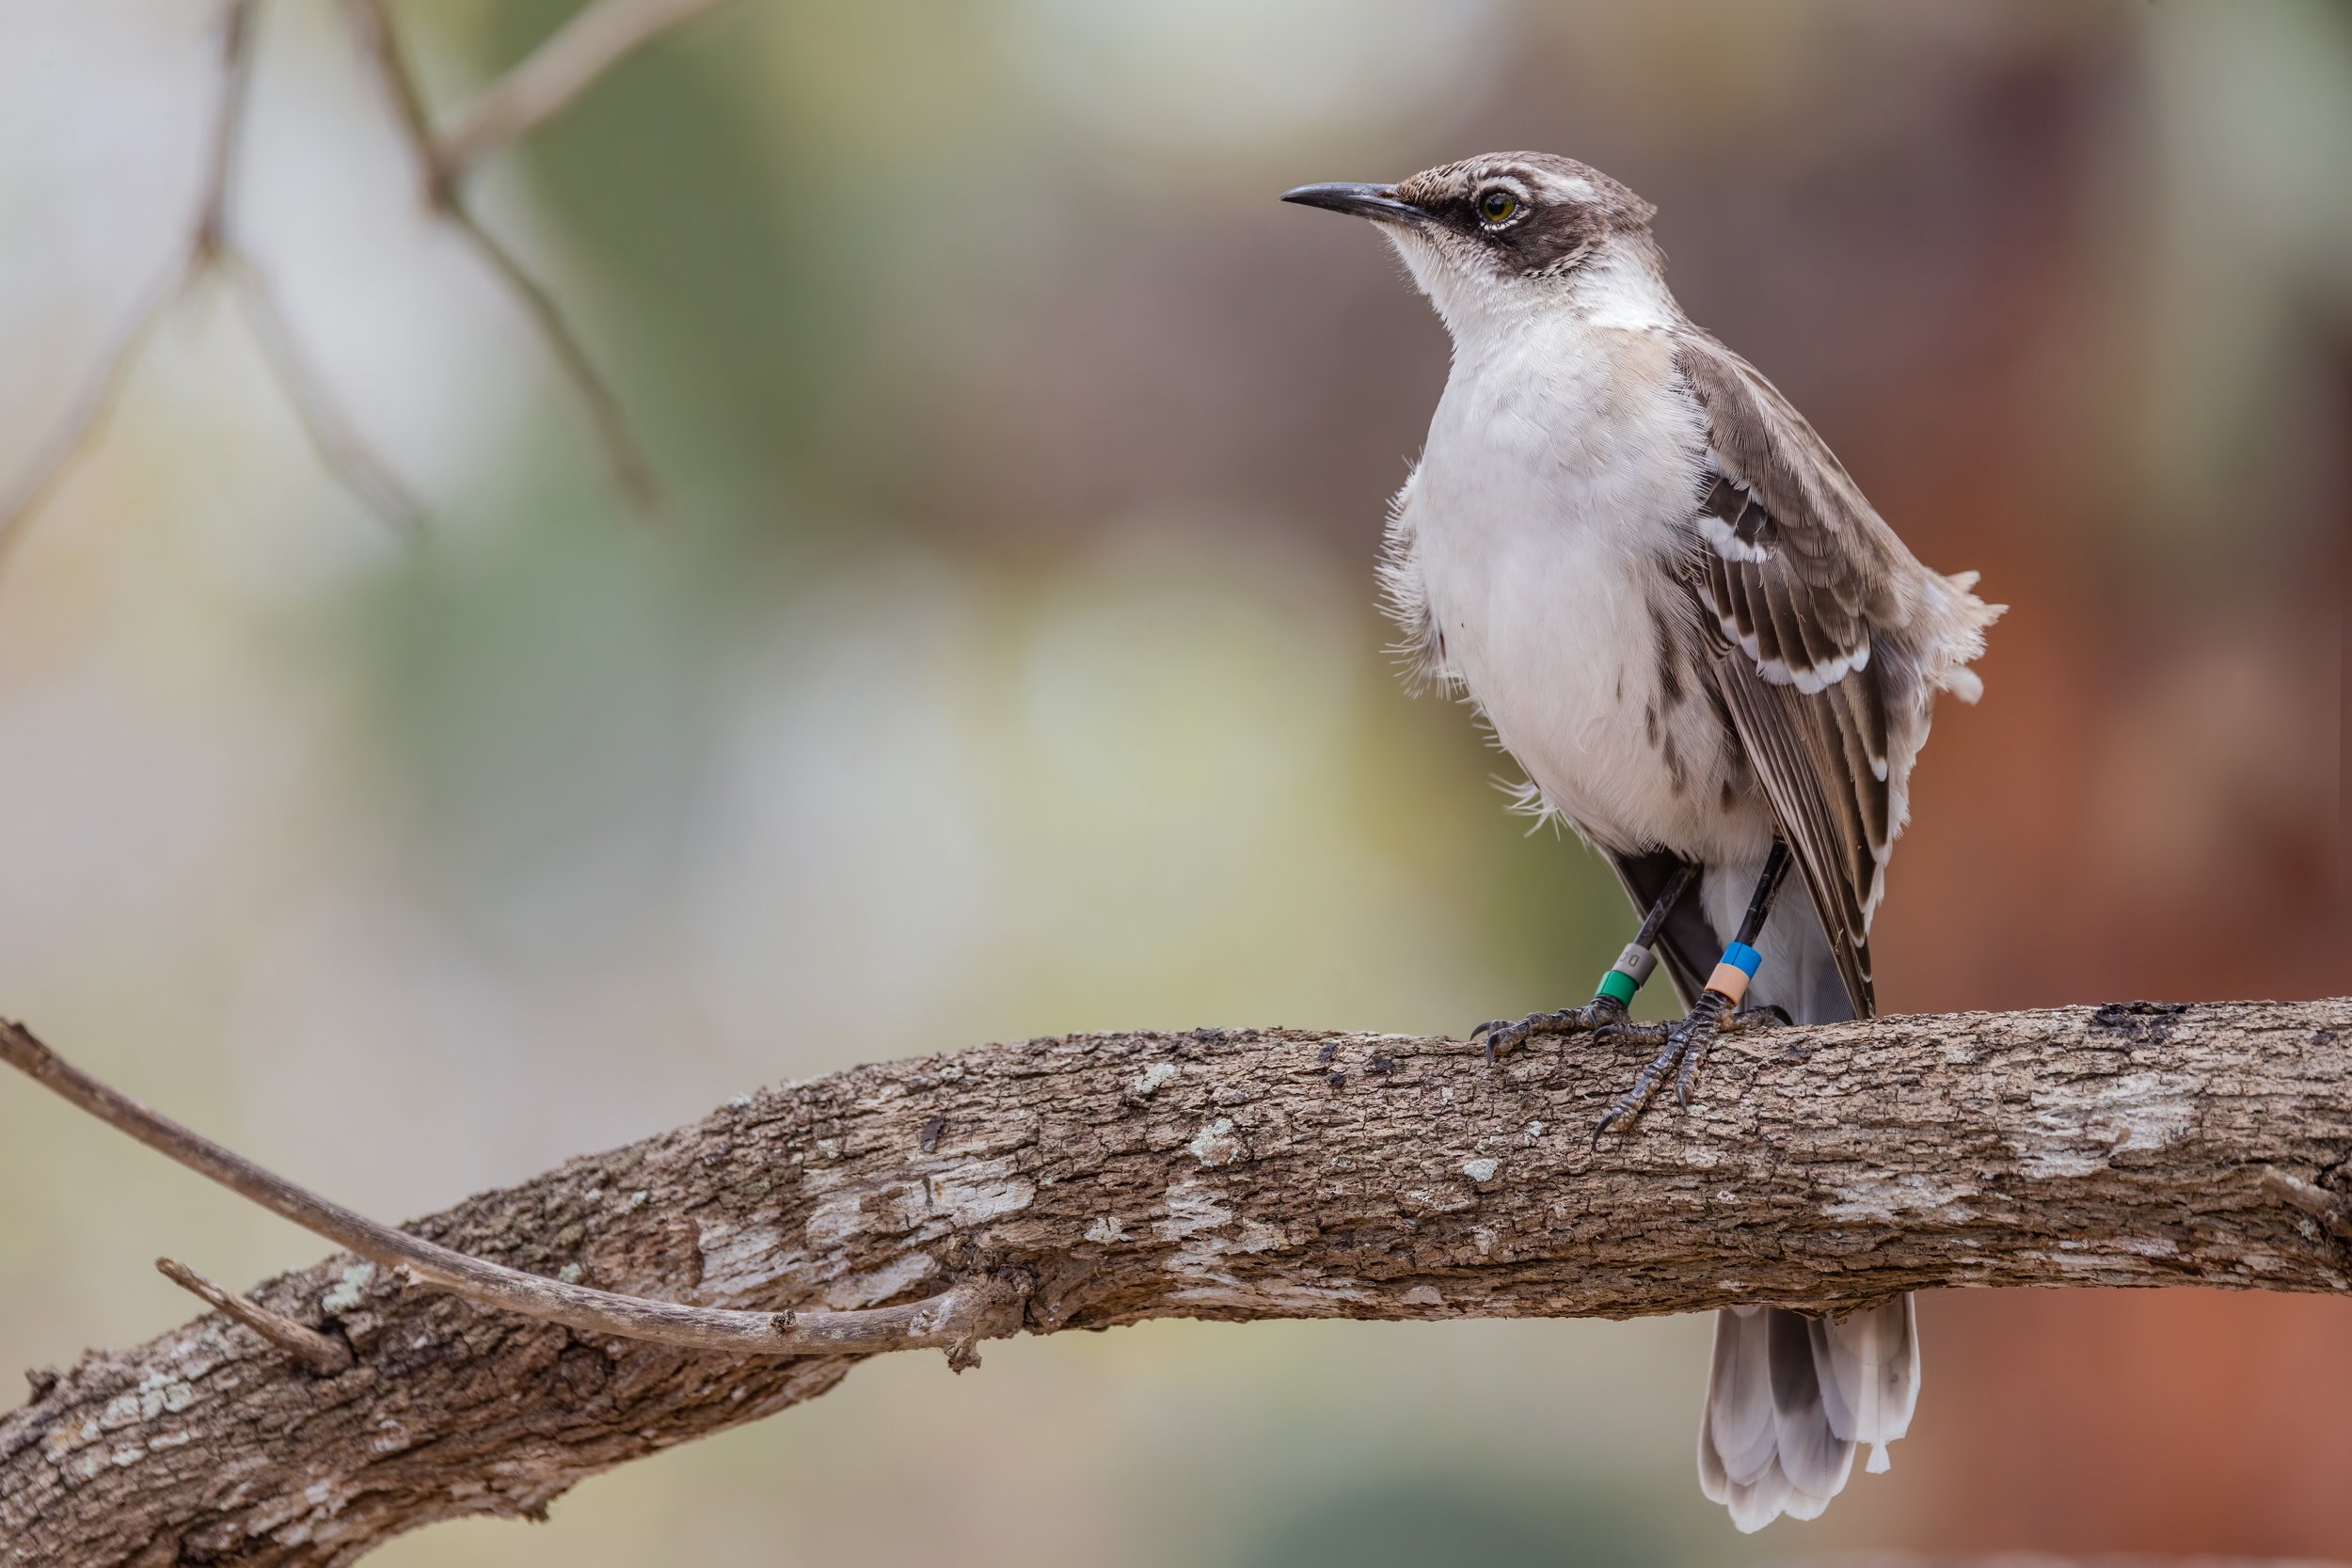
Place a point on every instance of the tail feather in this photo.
(1790, 1398)
(1817, 1457)
(1740, 1439)
(1868, 1367)
(1756, 1505)
(1767, 1445)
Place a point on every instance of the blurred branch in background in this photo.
(620, 26)
(558, 71)
(1094, 1181)
(541, 87)
(212, 251)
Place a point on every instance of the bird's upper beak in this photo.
(1376, 202)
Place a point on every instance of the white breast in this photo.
(1539, 529)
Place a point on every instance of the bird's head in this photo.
(1499, 235)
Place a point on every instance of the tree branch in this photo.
(561, 69)
(341, 449)
(574, 58)
(212, 250)
(322, 1353)
(630, 470)
(1107, 1178)
(949, 1319)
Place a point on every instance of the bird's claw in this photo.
(1680, 1054)
(1504, 1036)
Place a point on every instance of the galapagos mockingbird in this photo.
(1712, 657)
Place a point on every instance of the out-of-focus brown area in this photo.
(1005, 665)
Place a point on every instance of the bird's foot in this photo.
(1681, 1052)
(1602, 1014)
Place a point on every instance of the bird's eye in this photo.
(1497, 205)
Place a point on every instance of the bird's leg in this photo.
(1716, 1010)
(1607, 1009)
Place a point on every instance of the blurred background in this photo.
(1005, 664)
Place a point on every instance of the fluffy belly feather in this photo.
(1544, 541)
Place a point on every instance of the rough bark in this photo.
(1101, 1179)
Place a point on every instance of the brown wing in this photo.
(1794, 578)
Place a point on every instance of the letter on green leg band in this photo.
(1620, 985)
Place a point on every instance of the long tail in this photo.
(1789, 1398)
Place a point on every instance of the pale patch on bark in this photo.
(739, 1260)
(2078, 1129)
(977, 1191)
(350, 1287)
(879, 1284)
(1875, 1198)
(1216, 1145)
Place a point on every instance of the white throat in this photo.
(1617, 286)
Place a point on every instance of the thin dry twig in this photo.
(213, 250)
(572, 60)
(220, 168)
(333, 436)
(541, 87)
(948, 1320)
(89, 412)
(322, 1353)
(630, 470)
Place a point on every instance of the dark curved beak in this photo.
(1376, 202)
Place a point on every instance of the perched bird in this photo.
(1712, 657)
